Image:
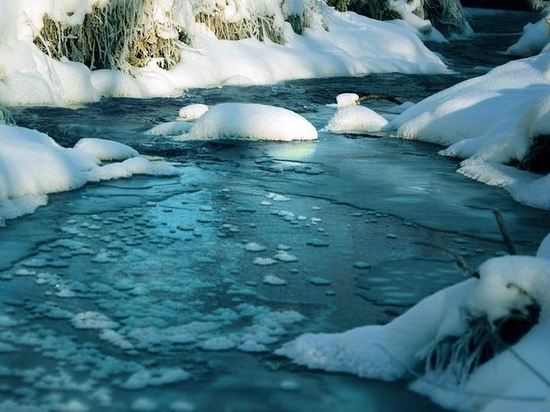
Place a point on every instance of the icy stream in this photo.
(171, 294)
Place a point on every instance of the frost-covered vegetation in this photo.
(446, 16)
(478, 345)
(5, 116)
(81, 50)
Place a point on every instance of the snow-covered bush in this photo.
(446, 16)
(479, 345)
(122, 34)
(116, 34)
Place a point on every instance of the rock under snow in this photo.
(251, 122)
(192, 112)
(356, 120)
(105, 150)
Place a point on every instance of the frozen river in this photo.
(172, 294)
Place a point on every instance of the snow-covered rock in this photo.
(440, 326)
(192, 112)
(535, 37)
(33, 165)
(347, 99)
(105, 150)
(489, 120)
(251, 122)
(356, 120)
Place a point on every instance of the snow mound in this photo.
(491, 119)
(251, 122)
(356, 120)
(105, 150)
(535, 37)
(192, 112)
(347, 99)
(175, 128)
(33, 165)
(443, 332)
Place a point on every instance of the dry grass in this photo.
(446, 15)
(5, 116)
(260, 27)
(118, 35)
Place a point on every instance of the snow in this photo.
(535, 37)
(356, 120)
(347, 99)
(174, 128)
(192, 112)
(353, 45)
(507, 285)
(33, 165)
(252, 122)
(490, 120)
(105, 150)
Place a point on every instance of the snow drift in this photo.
(501, 118)
(535, 37)
(33, 165)
(482, 343)
(47, 49)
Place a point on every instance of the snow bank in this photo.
(490, 119)
(353, 45)
(33, 165)
(535, 37)
(356, 120)
(252, 122)
(436, 332)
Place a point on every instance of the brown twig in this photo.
(374, 96)
(460, 262)
(504, 232)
